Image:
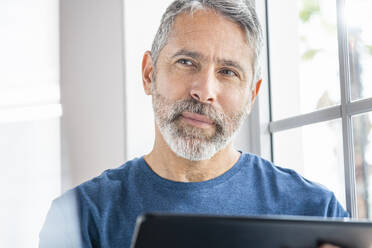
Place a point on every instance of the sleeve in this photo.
(61, 227)
(336, 210)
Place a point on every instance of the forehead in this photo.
(212, 35)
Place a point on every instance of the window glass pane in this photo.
(29, 52)
(29, 90)
(359, 19)
(29, 179)
(316, 152)
(363, 163)
(304, 63)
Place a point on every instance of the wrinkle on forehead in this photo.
(214, 36)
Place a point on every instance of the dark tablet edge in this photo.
(262, 218)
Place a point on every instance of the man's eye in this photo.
(229, 73)
(185, 62)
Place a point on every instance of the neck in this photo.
(164, 162)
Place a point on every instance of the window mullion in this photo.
(306, 119)
(350, 184)
(359, 107)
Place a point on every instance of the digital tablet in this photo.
(197, 231)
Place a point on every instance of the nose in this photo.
(204, 87)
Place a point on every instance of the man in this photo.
(203, 74)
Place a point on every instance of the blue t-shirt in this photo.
(102, 212)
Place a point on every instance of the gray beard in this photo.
(189, 147)
(190, 142)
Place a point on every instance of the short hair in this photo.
(241, 12)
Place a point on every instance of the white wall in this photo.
(141, 20)
(92, 88)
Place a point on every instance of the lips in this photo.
(197, 118)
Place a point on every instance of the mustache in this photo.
(194, 106)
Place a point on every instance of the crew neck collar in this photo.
(174, 185)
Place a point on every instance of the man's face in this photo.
(201, 91)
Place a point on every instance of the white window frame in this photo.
(261, 119)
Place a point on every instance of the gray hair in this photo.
(241, 12)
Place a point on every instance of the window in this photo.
(29, 118)
(320, 94)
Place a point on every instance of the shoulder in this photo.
(110, 181)
(279, 176)
(111, 185)
(61, 227)
(287, 187)
(70, 214)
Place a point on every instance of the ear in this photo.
(256, 90)
(147, 72)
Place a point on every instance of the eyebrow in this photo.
(231, 63)
(199, 56)
(191, 54)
